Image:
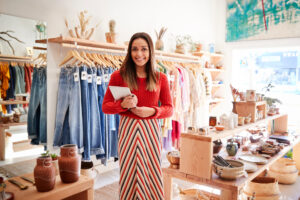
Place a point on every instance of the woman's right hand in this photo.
(129, 102)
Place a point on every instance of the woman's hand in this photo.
(143, 112)
(129, 102)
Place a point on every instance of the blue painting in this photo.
(262, 19)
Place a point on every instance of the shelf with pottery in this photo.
(230, 189)
(198, 166)
(212, 135)
(84, 44)
(82, 189)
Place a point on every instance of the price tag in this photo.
(105, 78)
(99, 80)
(172, 78)
(83, 75)
(89, 78)
(168, 76)
(76, 77)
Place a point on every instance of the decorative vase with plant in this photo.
(159, 45)
(182, 42)
(271, 102)
(54, 158)
(111, 35)
(82, 31)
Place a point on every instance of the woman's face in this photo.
(140, 52)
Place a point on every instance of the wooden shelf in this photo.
(218, 85)
(217, 100)
(13, 102)
(82, 42)
(107, 46)
(13, 124)
(176, 55)
(201, 53)
(216, 182)
(12, 57)
(215, 70)
(40, 48)
(214, 135)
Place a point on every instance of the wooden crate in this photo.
(196, 156)
(245, 108)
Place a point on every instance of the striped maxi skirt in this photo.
(140, 159)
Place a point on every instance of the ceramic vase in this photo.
(69, 163)
(159, 45)
(232, 148)
(44, 174)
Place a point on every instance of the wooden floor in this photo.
(107, 192)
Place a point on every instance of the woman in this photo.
(139, 131)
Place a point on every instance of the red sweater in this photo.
(145, 98)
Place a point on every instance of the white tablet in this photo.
(119, 92)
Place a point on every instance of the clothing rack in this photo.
(114, 48)
(15, 58)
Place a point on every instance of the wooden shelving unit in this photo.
(13, 102)
(196, 159)
(85, 44)
(16, 58)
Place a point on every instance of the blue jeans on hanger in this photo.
(95, 131)
(85, 104)
(100, 101)
(37, 112)
(68, 121)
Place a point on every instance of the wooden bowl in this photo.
(230, 173)
(174, 160)
(219, 128)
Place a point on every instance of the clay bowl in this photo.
(230, 173)
(219, 128)
(174, 159)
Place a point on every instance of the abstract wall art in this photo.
(262, 19)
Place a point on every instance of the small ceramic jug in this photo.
(69, 163)
(232, 148)
(44, 174)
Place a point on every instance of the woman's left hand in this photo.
(143, 111)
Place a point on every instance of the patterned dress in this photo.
(140, 140)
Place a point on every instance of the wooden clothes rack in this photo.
(15, 58)
(113, 48)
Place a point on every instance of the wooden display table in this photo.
(80, 190)
(196, 157)
(229, 189)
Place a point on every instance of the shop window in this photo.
(255, 68)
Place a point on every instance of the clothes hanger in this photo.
(72, 55)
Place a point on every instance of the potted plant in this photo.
(181, 42)
(111, 35)
(271, 102)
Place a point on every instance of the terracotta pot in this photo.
(159, 45)
(69, 163)
(44, 174)
(110, 37)
(265, 188)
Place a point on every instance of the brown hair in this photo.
(128, 70)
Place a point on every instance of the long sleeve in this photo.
(166, 108)
(109, 105)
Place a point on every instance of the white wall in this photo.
(24, 30)
(193, 17)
